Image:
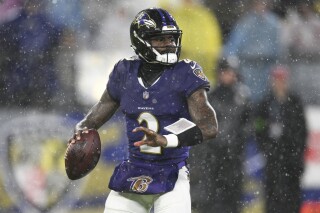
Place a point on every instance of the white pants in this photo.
(177, 201)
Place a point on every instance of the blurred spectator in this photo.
(66, 14)
(69, 15)
(94, 13)
(281, 7)
(119, 17)
(255, 41)
(202, 37)
(301, 31)
(301, 38)
(227, 13)
(29, 75)
(10, 10)
(218, 174)
(281, 134)
(64, 64)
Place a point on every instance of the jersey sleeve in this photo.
(194, 79)
(114, 83)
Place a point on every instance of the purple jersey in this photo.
(155, 107)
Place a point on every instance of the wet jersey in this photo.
(154, 107)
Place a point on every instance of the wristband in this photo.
(190, 137)
(172, 141)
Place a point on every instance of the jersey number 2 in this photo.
(153, 124)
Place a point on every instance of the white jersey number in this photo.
(153, 124)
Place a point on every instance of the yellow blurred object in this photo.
(111, 134)
(5, 201)
(202, 36)
(98, 181)
(317, 6)
(52, 155)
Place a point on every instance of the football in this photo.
(82, 156)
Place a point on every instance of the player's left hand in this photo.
(151, 139)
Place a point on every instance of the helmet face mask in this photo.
(152, 23)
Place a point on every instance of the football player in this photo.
(166, 109)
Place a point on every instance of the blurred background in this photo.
(55, 59)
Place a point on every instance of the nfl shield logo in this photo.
(145, 95)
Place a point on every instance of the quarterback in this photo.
(166, 111)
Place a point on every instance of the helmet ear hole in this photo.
(154, 22)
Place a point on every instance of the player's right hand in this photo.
(77, 135)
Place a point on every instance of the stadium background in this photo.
(33, 139)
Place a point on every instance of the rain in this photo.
(261, 58)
